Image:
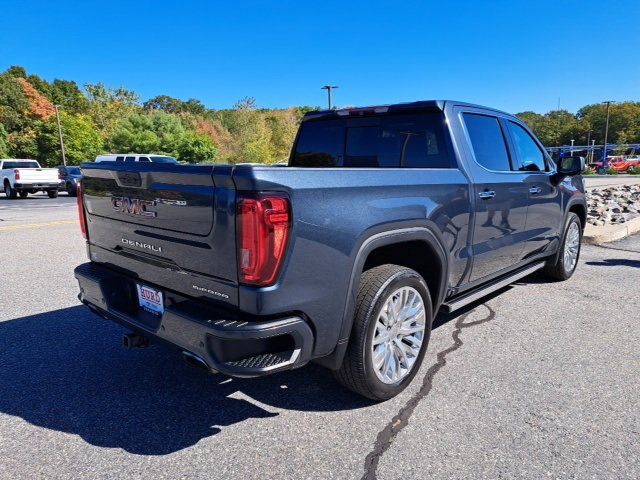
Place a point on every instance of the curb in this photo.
(608, 233)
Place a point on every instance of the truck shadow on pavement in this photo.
(65, 370)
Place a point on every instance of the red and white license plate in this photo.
(150, 299)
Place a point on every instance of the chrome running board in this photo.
(473, 295)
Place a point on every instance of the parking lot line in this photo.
(37, 225)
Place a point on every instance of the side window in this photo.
(320, 144)
(487, 141)
(531, 158)
(143, 159)
(130, 159)
(119, 159)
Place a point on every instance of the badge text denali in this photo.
(146, 246)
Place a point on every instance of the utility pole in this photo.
(329, 88)
(606, 133)
(64, 157)
(572, 142)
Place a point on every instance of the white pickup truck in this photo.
(26, 176)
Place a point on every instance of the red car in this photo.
(619, 163)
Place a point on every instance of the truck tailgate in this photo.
(168, 224)
(38, 175)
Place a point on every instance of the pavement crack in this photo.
(388, 434)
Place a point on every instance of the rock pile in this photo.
(609, 205)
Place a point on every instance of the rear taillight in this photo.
(16, 174)
(263, 225)
(59, 175)
(81, 214)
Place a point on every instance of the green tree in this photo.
(107, 106)
(154, 132)
(13, 104)
(17, 71)
(67, 94)
(197, 148)
(82, 140)
(4, 143)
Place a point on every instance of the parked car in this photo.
(69, 178)
(136, 157)
(24, 176)
(383, 217)
(618, 163)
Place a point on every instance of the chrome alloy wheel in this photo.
(398, 335)
(571, 247)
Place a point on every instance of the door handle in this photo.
(487, 194)
(535, 190)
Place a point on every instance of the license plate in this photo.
(150, 299)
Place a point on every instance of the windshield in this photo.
(31, 164)
(163, 159)
(73, 171)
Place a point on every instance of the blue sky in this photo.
(518, 55)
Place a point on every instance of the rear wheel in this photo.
(562, 267)
(9, 192)
(23, 193)
(52, 193)
(390, 332)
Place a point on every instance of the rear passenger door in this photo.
(499, 194)
(544, 215)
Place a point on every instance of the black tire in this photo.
(9, 192)
(23, 193)
(376, 286)
(52, 193)
(71, 189)
(556, 267)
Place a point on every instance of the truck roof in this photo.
(394, 107)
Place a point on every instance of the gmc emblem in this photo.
(133, 206)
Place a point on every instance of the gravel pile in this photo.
(610, 205)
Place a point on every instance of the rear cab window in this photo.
(487, 141)
(20, 165)
(416, 140)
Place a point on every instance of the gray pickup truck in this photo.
(383, 217)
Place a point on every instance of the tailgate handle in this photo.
(129, 179)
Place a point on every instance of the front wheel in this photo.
(563, 266)
(71, 189)
(52, 193)
(390, 333)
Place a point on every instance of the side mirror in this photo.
(570, 166)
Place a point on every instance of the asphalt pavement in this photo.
(540, 380)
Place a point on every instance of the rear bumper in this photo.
(226, 341)
(35, 186)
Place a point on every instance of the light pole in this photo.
(64, 157)
(572, 142)
(606, 133)
(329, 89)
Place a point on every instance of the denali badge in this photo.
(147, 246)
(210, 292)
(134, 206)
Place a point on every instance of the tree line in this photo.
(98, 119)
